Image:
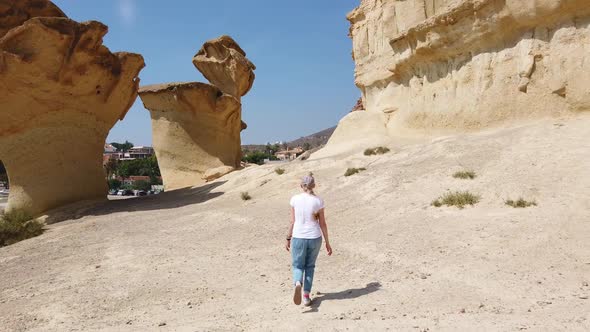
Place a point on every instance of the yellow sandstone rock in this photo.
(455, 65)
(223, 62)
(196, 126)
(61, 91)
(15, 12)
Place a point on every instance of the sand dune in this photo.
(202, 259)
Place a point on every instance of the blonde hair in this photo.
(308, 183)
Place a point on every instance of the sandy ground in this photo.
(204, 260)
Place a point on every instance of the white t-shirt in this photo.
(306, 226)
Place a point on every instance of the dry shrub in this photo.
(457, 198)
(352, 171)
(520, 203)
(280, 171)
(17, 225)
(464, 175)
(376, 151)
(245, 196)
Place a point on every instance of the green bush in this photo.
(464, 175)
(376, 151)
(520, 203)
(245, 196)
(16, 226)
(114, 184)
(352, 171)
(138, 167)
(280, 171)
(142, 185)
(457, 198)
(257, 157)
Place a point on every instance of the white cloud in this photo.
(127, 11)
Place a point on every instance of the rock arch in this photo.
(61, 91)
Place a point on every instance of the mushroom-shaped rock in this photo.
(15, 12)
(196, 129)
(223, 62)
(61, 91)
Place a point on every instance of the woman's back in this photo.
(306, 207)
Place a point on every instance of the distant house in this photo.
(108, 148)
(140, 152)
(291, 154)
(136, 152)
(130, 180)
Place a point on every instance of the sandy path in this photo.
(203, 260)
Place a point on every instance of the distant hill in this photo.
(314, 140)
(318, 139)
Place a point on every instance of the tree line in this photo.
(138, 167)
(116, 169)
(257, 156)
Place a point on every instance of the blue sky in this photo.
(304, 76)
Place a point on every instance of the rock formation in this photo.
(14, 13)
(358, 106)
(196, 126)
(225, 65)
(61, 91)
(449, 65)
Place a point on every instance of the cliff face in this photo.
(467, 64)
(61, 91)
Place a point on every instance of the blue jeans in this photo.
(304, 253)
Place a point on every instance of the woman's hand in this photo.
(288, 245)
(329, 249)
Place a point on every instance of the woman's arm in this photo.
(290, 232)
(324, 227)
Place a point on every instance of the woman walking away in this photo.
(304, 238)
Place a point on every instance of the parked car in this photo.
(125, 192)
(140, 193)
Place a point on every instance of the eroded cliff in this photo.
(440, 65)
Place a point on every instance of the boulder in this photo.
(225, 65)
(61, 91)
(196, 127)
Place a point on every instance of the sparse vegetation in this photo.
(457, 198)
(520, 203)
(280, 171)
(17, 226)
(258, 157)
(376, 151)
(245, 196)
(352, 171)
(464, 175)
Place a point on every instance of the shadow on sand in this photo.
(163, 201)
(348, 294)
